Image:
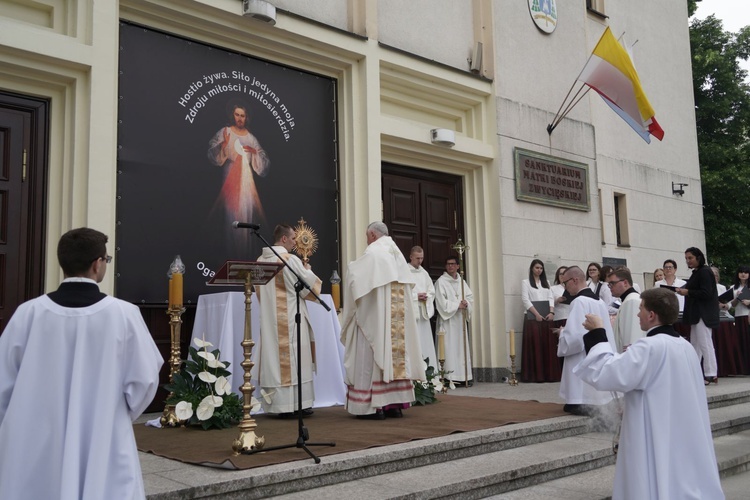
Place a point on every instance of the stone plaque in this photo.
(549, 180)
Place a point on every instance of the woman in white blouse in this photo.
(536, 289)
(597, 283)
(562, 307)
(539, 361)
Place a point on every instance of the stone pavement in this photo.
(166, 479)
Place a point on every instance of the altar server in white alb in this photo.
(278, 330)
(666, 449)
(76, 368)
(423, 295)
(578, 395)
(627, 328)
(454, 309)
(379, 330)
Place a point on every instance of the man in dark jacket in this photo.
(701, 310)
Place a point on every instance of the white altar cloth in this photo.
(220, 317)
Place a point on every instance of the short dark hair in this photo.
(670, 261)
(282, 230)
(622, 273)
(698, 254)
(450, 258)
(663, 302)
(79, 248)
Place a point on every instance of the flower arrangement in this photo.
(424, 391)
(201, 392)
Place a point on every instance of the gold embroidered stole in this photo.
(398, 343)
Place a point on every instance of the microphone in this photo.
(245, 225)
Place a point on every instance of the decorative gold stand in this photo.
(168, 418)
(247, 440)
(512, 380)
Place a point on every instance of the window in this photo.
(596, 7)
(621, 221)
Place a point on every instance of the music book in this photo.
(541, 306)
(669, 287)
(744, 294)
(726, 296)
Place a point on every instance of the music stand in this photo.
(235, 272)
(302, 434)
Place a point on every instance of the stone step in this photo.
(732, 455)
(535, 465)
(466, 465)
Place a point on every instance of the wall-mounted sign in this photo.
(551, 181)
(544, 14)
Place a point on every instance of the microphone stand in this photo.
(302, 434)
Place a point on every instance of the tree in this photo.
(722, 112)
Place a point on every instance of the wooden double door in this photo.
(424, 208)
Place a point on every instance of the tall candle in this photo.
(171, 293)
(177, 279)
(512, 341)
(336, 295)
(441, 345)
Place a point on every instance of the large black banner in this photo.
(208, 137)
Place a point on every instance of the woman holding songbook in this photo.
(561, 298)
(741, 303)
(597, 283)
(539, 352)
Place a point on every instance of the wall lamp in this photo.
(678, 188)
(443, 137)
(260, 10)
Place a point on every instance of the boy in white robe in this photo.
(579, 395)
(423, 296)
(76, 368)
(454, 309)
(627, 328)
(666, 448)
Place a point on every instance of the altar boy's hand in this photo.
(593, 322)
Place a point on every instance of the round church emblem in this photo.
(544, 14)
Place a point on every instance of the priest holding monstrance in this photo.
(278, 345)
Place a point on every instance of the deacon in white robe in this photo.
(626, 326)
(76, 368)
(573, 390)
(666, 448)
(423, 296)
(379, 330)
(454, 316)
(278, 330)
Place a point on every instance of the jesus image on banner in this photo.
(240, 154)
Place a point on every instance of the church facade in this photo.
(430, 114)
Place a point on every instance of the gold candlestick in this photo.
(168, 418)
(247, 440)
(512, 380)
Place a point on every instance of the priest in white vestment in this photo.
(666, 449)
(454, 307)
(578, 395)
(76, 368)
(627, 326)
(423, 296)
(278, 330)
(379, 330)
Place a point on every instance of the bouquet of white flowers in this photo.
(201, 392)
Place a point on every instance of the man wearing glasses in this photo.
(454, 305)
(577, 394)
(627, 326)
(76, 368)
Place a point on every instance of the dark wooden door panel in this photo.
(423, 208)
(23, 178)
